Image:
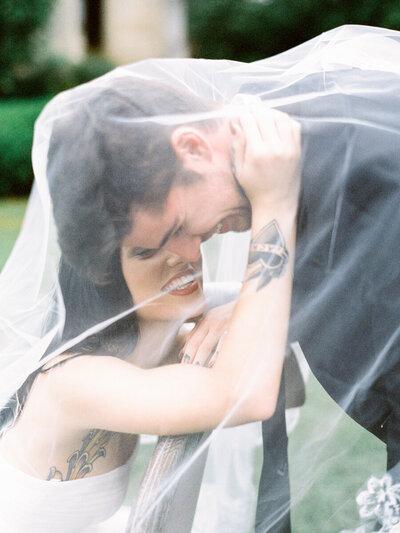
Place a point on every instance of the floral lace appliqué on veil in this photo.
(379, 503)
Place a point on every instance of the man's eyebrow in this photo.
(168, 234)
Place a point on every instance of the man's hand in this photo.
(266, 149)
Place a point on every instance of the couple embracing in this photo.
(134, 171)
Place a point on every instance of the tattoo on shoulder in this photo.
(80, 462)
(268, 255)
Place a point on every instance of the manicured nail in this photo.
(186, 358)
(197, 363)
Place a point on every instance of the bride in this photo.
(97, 376)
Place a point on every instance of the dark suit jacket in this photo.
(346, 297)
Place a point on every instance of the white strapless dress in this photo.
(88, 505)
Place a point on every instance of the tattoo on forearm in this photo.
(80, 462)
(268, 255)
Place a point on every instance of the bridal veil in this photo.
(344, 88)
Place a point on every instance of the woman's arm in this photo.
(105, 392)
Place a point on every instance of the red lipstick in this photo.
(182, 284)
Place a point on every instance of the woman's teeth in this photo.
(180, 283)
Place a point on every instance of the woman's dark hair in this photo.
(86, 304)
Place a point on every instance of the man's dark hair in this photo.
(103, 160)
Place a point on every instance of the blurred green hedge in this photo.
(21, 24)
(56, 73)
(17, 115)
(247, 30)
(17, 118)
(32, 76)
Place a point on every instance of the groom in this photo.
(183, 188)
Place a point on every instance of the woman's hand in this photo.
(204, 340)
(266, 148)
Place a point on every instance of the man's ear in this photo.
(191, 146)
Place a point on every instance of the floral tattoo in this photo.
(80, 462)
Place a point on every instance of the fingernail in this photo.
(186, 358)
(197, 363)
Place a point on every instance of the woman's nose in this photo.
(174, 259)
(187, 249)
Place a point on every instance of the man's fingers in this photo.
(251, 129)
(238, 148)
(275, 127)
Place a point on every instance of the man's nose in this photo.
(187, 247)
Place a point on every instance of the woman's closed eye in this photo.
(143, 253)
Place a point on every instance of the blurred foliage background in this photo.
(244, 30)
(247, 30)
(19, 24)
(26, 69)
(28, 79)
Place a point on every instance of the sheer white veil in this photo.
(344, 88)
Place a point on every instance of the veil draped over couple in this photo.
(111, 326)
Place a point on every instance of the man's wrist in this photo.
(283, 212)
(274, 204)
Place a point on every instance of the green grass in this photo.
(11, 214)
(331, 456)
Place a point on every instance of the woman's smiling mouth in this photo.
(182, 284)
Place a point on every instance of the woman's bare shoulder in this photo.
(76, 360)
(72, 376)
(77, 384)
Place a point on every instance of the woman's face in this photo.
(173, 285)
